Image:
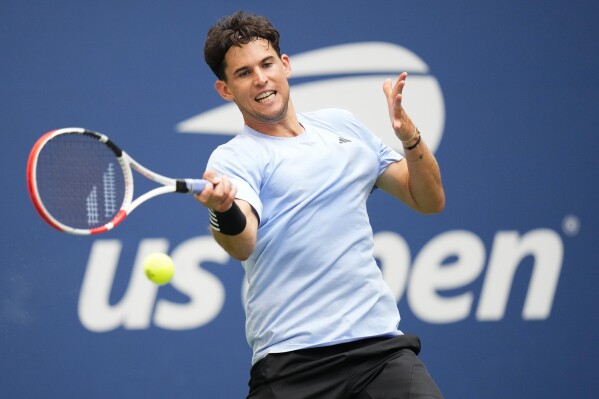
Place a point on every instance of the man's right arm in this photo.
(219, 198)
(240, 246)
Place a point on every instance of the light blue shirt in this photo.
(313, 280)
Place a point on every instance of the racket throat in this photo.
(181, 187)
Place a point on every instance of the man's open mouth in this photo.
(266, 96)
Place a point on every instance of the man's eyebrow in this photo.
(245, 67)
(240, 69)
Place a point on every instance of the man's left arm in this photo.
(415, 180)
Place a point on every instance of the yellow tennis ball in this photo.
(159, 268)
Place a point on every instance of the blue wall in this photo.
(502, 287)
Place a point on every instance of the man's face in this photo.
(257, 82)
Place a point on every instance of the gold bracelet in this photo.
(411, 138)
(410, 148)
(417, 159)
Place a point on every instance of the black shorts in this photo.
(373, 368)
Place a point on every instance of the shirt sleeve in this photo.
(386, 154)
(229, 160)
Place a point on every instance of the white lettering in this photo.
(206, 292)
(431, 272)
(449, 261)
(135, 308)
(508, 251)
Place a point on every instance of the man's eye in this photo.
(267, 65)
(243, 74)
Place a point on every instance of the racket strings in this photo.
(80, 181)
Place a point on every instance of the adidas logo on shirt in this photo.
(343, 140)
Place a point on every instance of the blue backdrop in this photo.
(502, 287)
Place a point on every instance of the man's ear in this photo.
(286, 64)
(222, 89)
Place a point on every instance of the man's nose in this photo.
(260, 77)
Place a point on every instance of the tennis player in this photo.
(288, 198)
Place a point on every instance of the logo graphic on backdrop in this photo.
(349, 76)
(424, 278)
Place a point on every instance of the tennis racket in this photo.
(81, 182)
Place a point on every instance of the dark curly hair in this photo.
(236, 30)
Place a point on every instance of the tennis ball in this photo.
(159, 268)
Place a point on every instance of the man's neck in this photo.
(287, 127)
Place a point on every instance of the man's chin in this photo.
(270, 118)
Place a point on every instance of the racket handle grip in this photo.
(193, 186)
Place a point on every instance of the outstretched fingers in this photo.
(394, 94)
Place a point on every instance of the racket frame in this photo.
(128, 164)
